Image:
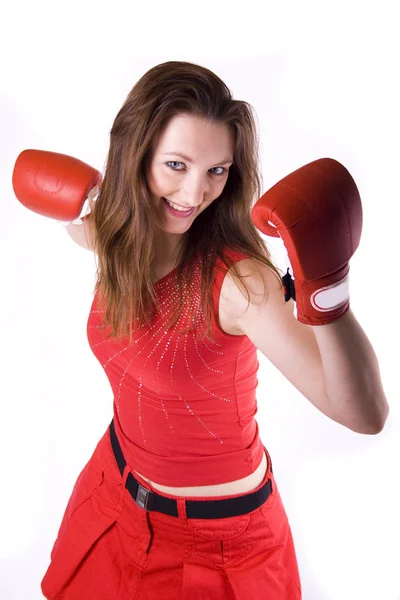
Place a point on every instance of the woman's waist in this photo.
(232, 467)
(239, 486)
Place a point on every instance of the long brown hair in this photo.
(125, 218)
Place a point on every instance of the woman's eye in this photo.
(222, 171)
(172, 164)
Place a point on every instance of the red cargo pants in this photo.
(110, 548)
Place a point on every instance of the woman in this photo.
(179, 499)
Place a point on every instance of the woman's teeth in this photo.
(176, 207)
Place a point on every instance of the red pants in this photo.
(109, 548)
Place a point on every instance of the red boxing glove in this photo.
(53, 185)
(317, 212)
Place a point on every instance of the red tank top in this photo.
(184, 409)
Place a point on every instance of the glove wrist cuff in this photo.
(321, 301)
(85, 212)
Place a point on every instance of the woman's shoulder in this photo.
(235, 254)
(258, 279)
(233, 299)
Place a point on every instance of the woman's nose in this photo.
(194, 192)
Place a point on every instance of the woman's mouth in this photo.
(177, 213)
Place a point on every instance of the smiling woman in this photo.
(175, 111)
(191, 188)
(179, 498)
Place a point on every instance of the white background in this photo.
(323, 79)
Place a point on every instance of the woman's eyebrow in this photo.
(188, 159)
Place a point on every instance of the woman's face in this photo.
(189, 168)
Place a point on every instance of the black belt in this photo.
(195, 509)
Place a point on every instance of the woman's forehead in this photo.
(191, 136)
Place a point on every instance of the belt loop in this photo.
(121, 493)
(181, 504)
(125, 474)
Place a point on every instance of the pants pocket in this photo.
(94, 506)
(281, 541)
(220, 542)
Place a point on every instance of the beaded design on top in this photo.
(168, 371)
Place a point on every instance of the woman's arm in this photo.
(334, 366)
(351, 374)
(82, 234)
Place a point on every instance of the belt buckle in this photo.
(142, 496)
